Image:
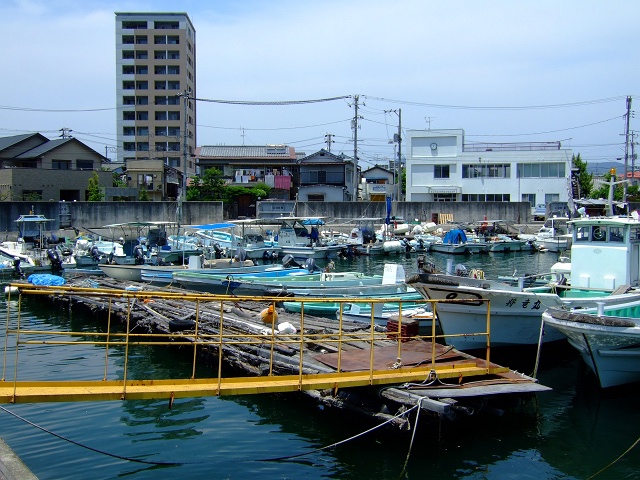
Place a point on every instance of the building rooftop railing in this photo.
(513, 146)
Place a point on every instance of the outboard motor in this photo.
(17, 271)
(55, 258)
(138, 255)
(241, 255)
(310, 265)
(95, 253)
(288, 261)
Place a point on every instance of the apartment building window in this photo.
(61, 164)
(160, 100)
(160, 40)
(128, 116)
(441, 171)
(128, 131)
(141, 40)
(160, 70)
(145, 179)
(161, 131)
(489, 197)
(143, 131)
(174, 85)
(161, 147)
(128, 54)
(315, 197)
(142, 100)
(444, 197)
(128, 85)
(128, 69)
(173, 70)
(174, 116)
(174, 131)
(174, 146)
(142, 54)
(160, 55)
(128, 40)
(133, 24)
(161, 116)
(84, 164)
(174, 55)
(142, 70)
(173, 39)
(142, 146)
(142, 85)
(128, 100)
(161, 85)
(129, 146)
(142, 115)
(166, 25)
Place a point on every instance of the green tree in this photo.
(94, 190)
(143, 195)
(206, 187)
(603, 191)
(585, 179)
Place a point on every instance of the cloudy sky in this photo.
(504, 71)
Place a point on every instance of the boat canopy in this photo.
(455, 236)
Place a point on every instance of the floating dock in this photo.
(360, 367)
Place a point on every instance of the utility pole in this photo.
(355, 149)
(328, 139)
(626, 150)
(399, 164)
(65, 132)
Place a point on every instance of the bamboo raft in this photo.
(451, 386)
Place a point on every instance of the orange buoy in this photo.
(269, 315)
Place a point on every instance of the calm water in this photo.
(571, 432)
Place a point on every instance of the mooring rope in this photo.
(616, 460)
(413, 435)
(288, 457)
(102, 452)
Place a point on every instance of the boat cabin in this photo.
(605, 252)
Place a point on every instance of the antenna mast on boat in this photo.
(626, 150)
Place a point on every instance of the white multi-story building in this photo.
(440, 166)
(155, 73)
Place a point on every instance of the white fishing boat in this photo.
(605, 267)
(294, 238)
(607, 338)
(553, 236)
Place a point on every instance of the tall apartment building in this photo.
(155, 92)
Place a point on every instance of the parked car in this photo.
(539, 212)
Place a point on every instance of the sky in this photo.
(502, 70)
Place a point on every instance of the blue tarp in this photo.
(455, 236)
(214, 226)
(388, 219)
(45, 279)
(312, 221)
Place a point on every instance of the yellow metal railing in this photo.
(13, 390)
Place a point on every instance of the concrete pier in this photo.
(11, 467)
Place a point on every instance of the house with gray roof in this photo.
(32, 167)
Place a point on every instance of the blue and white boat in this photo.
(605, 268)
(294, 238)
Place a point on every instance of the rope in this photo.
(413, 435)
(102, 452)
(616, 460)
(277, 459)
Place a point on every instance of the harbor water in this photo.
(572, 432)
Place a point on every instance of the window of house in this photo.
(141, 40)
(315, 197)
(166, 25)
(174, 146)
(142, 70)
(174, 131)
(174, 115)
(529, 197)
(160, 55)
(61, 164)
(142, 115)
(129, 146)
(128, 54)
(541, 170)
(160, 69)
(161, 115)
(174, 85)
(144, 85)
(173, 70)
(142, 146)
(143, 131)
(128, 131)
(173, 55)
(173, 39)
(128, 85)
(161, 131)
(84, 164)
(173, 100)
(128, 100)
(128, 115)
(444, 197)
(441, 171)
(142, 100)
(161, 85)
(142, 54)
(128, 69)
(160, 39)
(133, 24)
(161, 146)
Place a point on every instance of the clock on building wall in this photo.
(434, 146)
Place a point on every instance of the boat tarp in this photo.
(213, 226)
(45, 279)
(455, 236)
